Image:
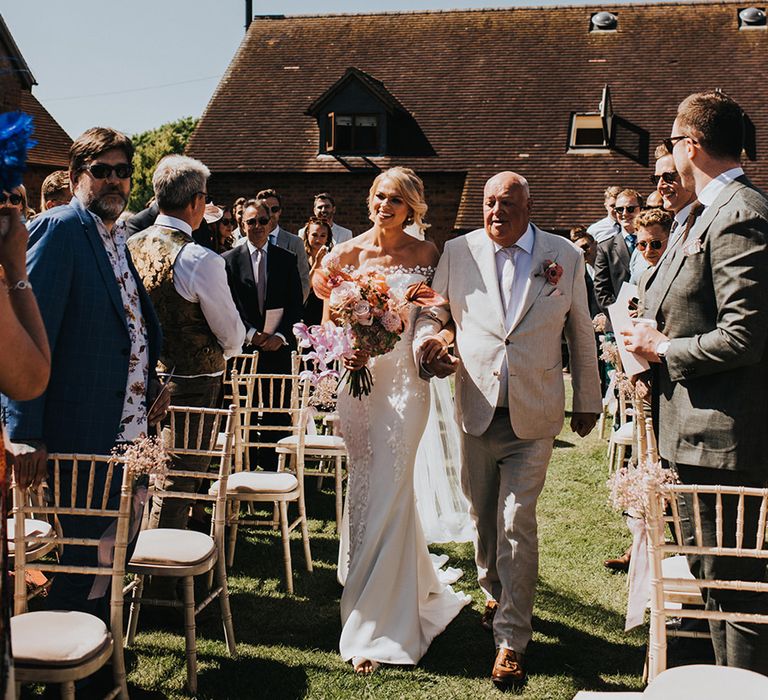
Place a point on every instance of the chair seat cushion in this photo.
(317, 442)
(623, 434)
(258, 482)
(167, 546)
(57, 637)
(32, 527)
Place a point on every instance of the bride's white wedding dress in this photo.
(395, 599)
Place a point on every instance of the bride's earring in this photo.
(409, 220)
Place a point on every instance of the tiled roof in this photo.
(17, 63)
(491, 90)
(53, 143)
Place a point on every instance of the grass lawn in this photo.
(287, 646)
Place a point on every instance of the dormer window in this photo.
(359, 116)
(352, 133)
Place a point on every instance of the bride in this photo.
(395, 601)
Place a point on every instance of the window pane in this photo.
(343, 120)
(589, 137)
(367, 120)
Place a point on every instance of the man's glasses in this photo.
(274, 209)
(261, 221)
(227, 222)
(655, 244)
(669, 177)
(621, 210)
(14, 199)
(101, 171)
(669, 143)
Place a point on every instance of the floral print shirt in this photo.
(134, 419)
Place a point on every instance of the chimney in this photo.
(248, 13)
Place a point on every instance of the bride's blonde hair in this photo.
(410, 187)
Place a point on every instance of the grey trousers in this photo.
(502, 477)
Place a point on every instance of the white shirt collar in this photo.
(525, 242)
(252, 248)
(715, 187)
(682, 216)
(173, 222)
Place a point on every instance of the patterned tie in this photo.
(696, 209)
(631, 240)
(261, 278)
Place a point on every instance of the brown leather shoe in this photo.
(620, 563)
(508, 670)
(486, 621)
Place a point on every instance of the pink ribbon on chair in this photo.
(639, 574)
(107, 542)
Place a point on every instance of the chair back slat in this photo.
(92, 478)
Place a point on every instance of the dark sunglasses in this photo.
(261, 221)
(227, 222)
(668, 177)
(655, 244)
(101, 171)
(274, 209)
(621, 210)
(669, 143)
(14, 199)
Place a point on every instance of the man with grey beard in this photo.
(104, 338)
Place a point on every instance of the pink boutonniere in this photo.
(552, 271)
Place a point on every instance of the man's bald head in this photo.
(506, 207)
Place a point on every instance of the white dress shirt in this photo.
(255, 265)
(603, 229)
(513, 273)
(199, 276)
(715, 186)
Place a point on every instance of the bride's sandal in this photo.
(364, 667)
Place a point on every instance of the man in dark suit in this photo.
(102, 329)
(615, 256)
(265, 284)
(711, 350)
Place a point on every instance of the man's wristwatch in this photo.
(662, 349)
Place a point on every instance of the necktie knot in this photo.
(631, 241)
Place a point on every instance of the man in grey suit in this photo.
(711, 349)
(616, 257)
(513, 290)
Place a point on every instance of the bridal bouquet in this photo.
(368, 314)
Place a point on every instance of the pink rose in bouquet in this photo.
(370, 314)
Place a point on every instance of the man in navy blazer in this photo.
(102, 329)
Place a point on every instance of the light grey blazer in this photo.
(712, 302)
(466, 277)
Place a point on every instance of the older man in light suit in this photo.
(512, 290)
(710, 349)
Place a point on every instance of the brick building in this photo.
(16, 82)
(574, 98)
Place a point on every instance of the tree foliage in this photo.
(150, 147)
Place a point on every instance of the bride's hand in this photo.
(433, 347)
(357, 361)
(320, 285)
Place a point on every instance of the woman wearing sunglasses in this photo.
(16, 199)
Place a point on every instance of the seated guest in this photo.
(188, 287)
(317, 242)
(55, 191)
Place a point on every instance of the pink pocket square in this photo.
(692, 247)
(555, 293)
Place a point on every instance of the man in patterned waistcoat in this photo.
(188, 287)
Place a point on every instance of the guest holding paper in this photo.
(265, 284)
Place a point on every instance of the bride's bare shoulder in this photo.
(425, 253)
(349, 252)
